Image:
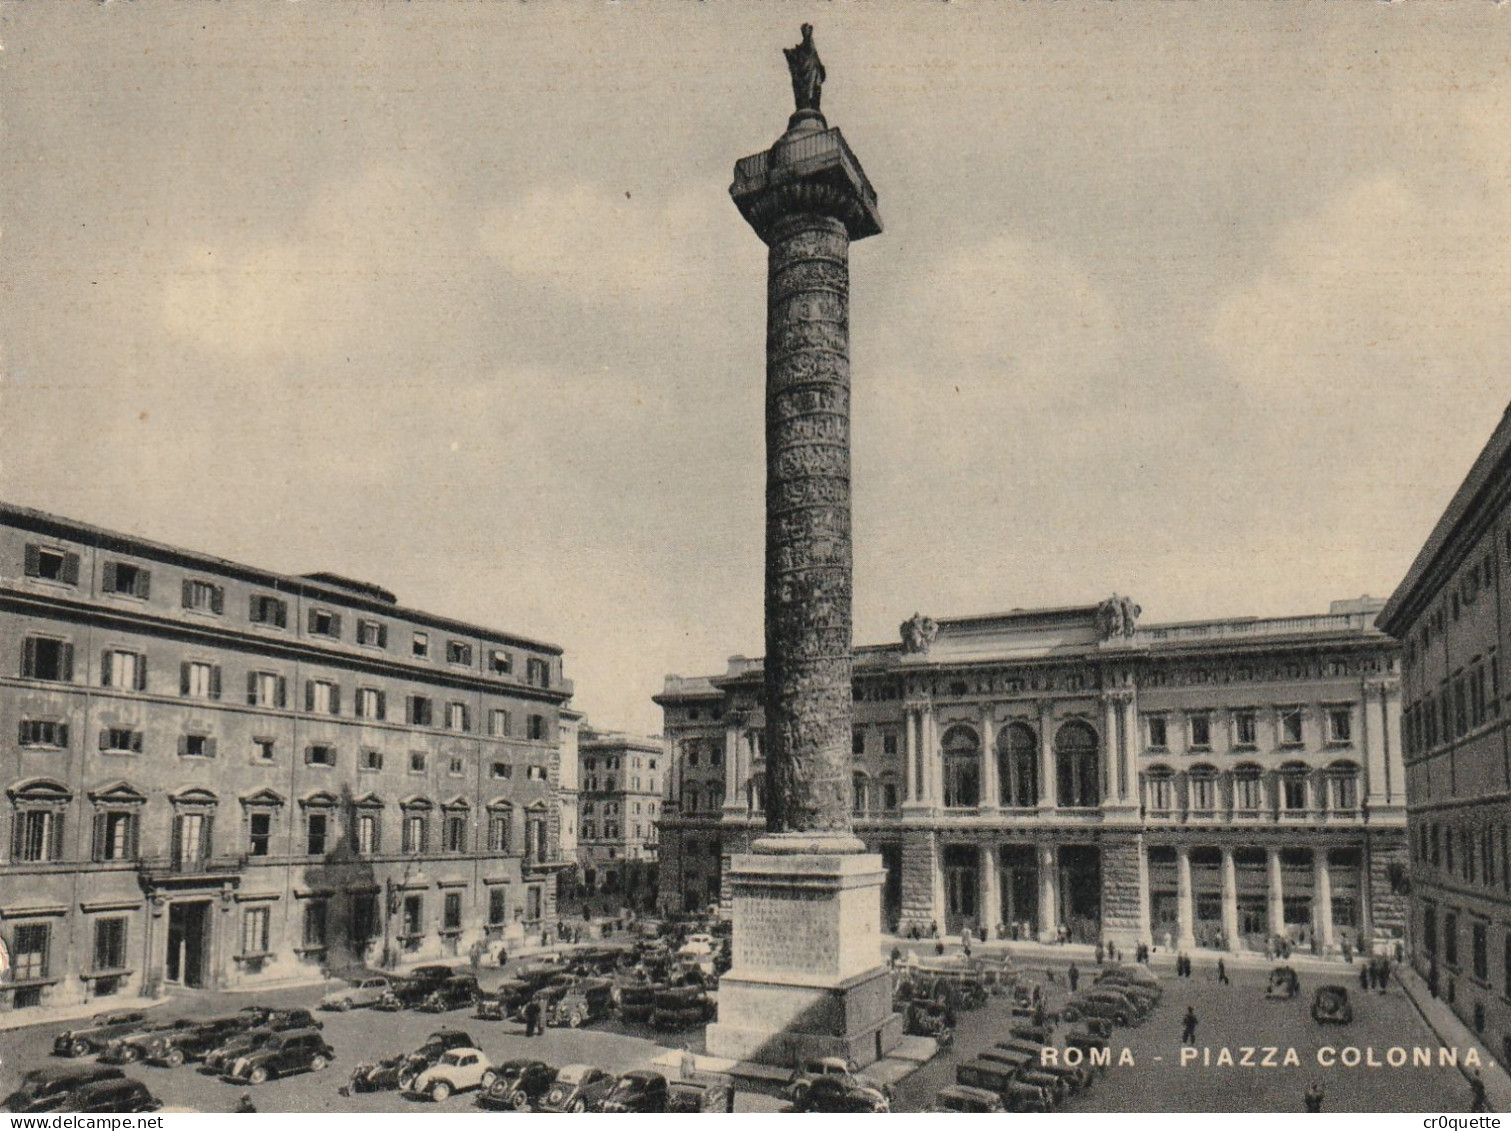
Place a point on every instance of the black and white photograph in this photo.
(811, 557)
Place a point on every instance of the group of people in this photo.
(1375, 974)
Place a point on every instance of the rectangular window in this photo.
(414, 916)
(323, 622)
(1159, 738)
(199, 680)
(44, 732)
(260, 827)
(316, 828)
(498, 723)
(262, 749)
(266, 689)
(30, 946)
(196, 746)
(43, 657)
(1201, 731)
(37, 835)
(451, 912)
(48, 564)
(889, 744)
(416, 835)
(367, 833)
(371, 704)
(314, 924)
(372, 760)
(204, 597)
(319, 754)
(1451, 938)
(498, 832)
(115, 835)
(364, 918)
(1290, 726)
(268, 610)
(126, 670)
(458, 653)
(120, 740)
(418, 761)
(322, 697)
(538, 773)
(500, 662)
(193, 835)
(127, 579)
(455, 833)
(538, 673)
(537, 730)
(857, 743)
(421, 646)
(254, 930)
(373, 634)
(456, 767)
(500, 770)
(456, 716)
(109, 944)
(1245, 730)
(420, 709)
(1340, 728)
(498, 909)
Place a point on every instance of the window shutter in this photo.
(183, 745)
(71, 569)
(143, 583)
(105, 668)
(141, 671)
(16, 835)
(104, 738)
(177, 849)
(33, 560)
(311, 627)
(309, 695)
(188, 594)
(63, 735)
(252, 689)
(136, 741)
(217, 599)
(336, 625)
(210, 744)
(382, 636)
(382, 705)
(255, 609)
(335, 698)
(28, 657)
(214, 681)
(57, 835)
(408, 706)
(283, 687)
(133, 835)
(108, 584)
(280, 614)
(206, 836)
(67, 663)
(99, 836)
(183, 678)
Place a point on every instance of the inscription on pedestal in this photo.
(785, 931)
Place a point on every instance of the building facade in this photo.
(216, 775)
(1451, 613)
(621, 778)
(1068, 772)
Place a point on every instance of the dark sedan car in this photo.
(519, 1086)
(173, 1047)
(392, 1072)
(639, 1091)
(1330, 1006)
(43, 1089)
(124, 1095)
(238, 1043)
(94, 1034)
(578, 1088)
(453, 993)
(835, 1094)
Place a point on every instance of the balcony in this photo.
(168, 871)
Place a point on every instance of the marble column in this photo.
(734, 777)
(933, 758)
(991, 892)
(989, 781)
(910, 756)
(1111, 756)
(1322, 898)
(1376, 783)
(941, 909)
(1047, 782)
(1049, 892)
(1230, 901)
(1276, 892)
(1185, 911)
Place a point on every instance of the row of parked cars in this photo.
(450, 1061)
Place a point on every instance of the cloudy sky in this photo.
(1205, 303)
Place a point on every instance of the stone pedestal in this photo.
(807, 979)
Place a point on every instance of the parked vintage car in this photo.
(638, 1091)
(265, 1017)
(929, 1019)
(577, 1088)
(393, 1071)
(1002, 1079)
(297, 1050)
(841, 1094)
(681, 1007)
(172, 1047)
(128, 1048)
(518, 1085)
(637, 999)
(1148, 996)
(697, 946)
(94, 1034)
(582, 1003)
(455, 992)
(817, 1069)
(1076, 1078)
(1138, 1006)
(243, 1041)
(962, 1098)
(124, 1095)
(1026, 1069)
(504, 1001)
(43, 1089)
(357, 994)
(1330, 1006)
(1283, 985)
(700, 1094)
(1084, 1005)
(459, 1070)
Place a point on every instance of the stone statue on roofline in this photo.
(918, 633)
(1117, 617)
(807, 71)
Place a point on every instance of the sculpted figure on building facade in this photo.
(807, 71)
(918, 633)
(1117, 616)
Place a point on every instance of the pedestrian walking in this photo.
(1222, 973)
(1348, 951)
(1384, 974)
(1366, 976)
(1477, 1091)
(939, 946)
(475, 955)
(1100, 953)
(1313, 1097)
(1074, 977)
(1188, 1027)
(503, 956)
(532, 1017)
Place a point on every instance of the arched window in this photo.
(1076, 766)
(1159, 792)
(1293, 791)
(37, 828)
(1018, 766)
(1201, 791)
(1343, 786)
(860, 793)
(1248, 789)
(962, 768)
